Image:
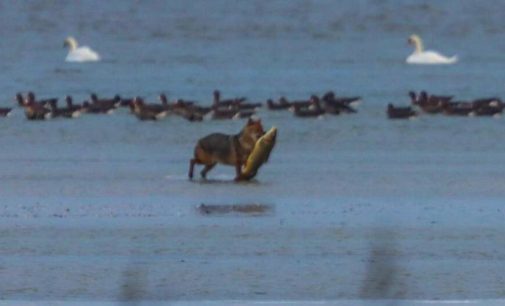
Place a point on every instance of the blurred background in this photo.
(257, 49)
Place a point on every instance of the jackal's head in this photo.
(254, 128)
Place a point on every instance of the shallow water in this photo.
(362, 207)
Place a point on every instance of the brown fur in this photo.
(225, 149)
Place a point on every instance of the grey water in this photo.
(100, 209)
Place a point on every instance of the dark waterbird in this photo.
(344, 104)
(92, 108)
(5, 111)
(188, 110)
(70, 104)
(31, 97)
(221, 209)
(488, 106)
(487, 111)
(248, 106)
(126, 102)
(20, 100)
(35, 110)
(400, 112)
(148, 112)
(65, 112)
(281, 105)
(458, 108)
(218, 102)
(333, 105)
(101, 106)
(244, 113)
(105, 103)
(300, 104)
(223, 113)
(430, 104)
(313, 109)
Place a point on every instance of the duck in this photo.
(156, 108)
(488, 102)
(5, 111)
(43, 102)
(192, 116)
(203, 110)
(400, 112)
(249, 106)
(125, 102)
(339, 105)
(282, 105)
(20, 100)
(313, 110)
(426, 57)
(71, 105)
(488, 107)
(347, 101)
(97, 107)
(244, 113)
(185, 102)
(221, 114)
(178, 104)
(414, 100)
(487, 111)
(428, 98)
(198, 111)
(65, 112)
(78, 54)
(217, 102)
(300, 104)
(331, 109)
(164, 101)
(186, 109)
(146, 112)
(459, 108)
(91, 108)
(430, 104)
(35, 110)
(105, 103)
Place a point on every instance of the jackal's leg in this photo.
(192, 163)
(206, 169)
(238, 171)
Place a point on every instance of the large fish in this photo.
(260, 154)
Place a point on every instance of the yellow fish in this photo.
(260, 154)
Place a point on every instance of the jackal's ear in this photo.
(254, 119)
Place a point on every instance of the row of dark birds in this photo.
(434, 104)
(234, 108)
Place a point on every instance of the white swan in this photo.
(79, 54)
(427, 57)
